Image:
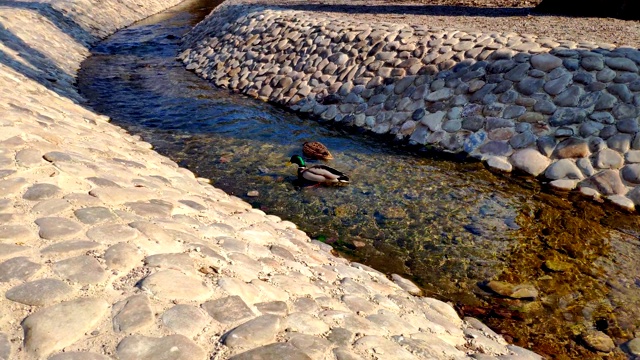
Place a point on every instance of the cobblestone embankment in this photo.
(109, 250)
(565, 111)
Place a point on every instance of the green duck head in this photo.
(297, 159)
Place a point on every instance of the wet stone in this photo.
(227, 310)
(185, 320)
(173, 284)
(132, 314)
(39, 292)
(57, 228)
(39, 192)
(82, 269)
(273, 351)
(496, 148)
(20, 268)
(599, 341)
(78, 316)
(522, 140)
(253, 333)
(175, 347)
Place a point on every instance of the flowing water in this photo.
(447, 224)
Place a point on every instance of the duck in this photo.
(318, 174)
(316, 150)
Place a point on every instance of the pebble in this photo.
(39, 192)
(259, 331)
(599, 341)
(229, 309)
(273, 351)
(20, 268)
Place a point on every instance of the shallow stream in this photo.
(447, 224)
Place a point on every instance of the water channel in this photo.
(447, 224)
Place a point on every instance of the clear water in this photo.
(447, 224)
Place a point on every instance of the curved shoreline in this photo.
(138, 258)
(561, 110)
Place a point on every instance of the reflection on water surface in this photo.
(446, 224)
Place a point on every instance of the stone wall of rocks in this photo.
(564, 110)
(109, 250)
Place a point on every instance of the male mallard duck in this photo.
(315, 150)
(318, 173)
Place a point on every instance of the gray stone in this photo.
(51, 207)
(174, 347)
(132, 314)
(530, 161)
(57, 228)
(102, 182)
(253, 333)
(185, 320)
(572, 148)
(556, 86)
(5, 347)
(39, 292)
(340, 336)
(545, 107)
(151, 209)
(39, 192)
(529, 85)
(592, 63)
(173, 284)
(29, 157)
(406, 285)
(545, 62)
(112, 233)
(496, 148)
(16, 233)
(315, 347)
(605, 75)
(608, 182)
(78, 355)
(13, 186)
(56, 156)
(179, 261)
(633, 346)
(228, 310)
(589, 128)
(7, 250)
(83, 269)
(281, 351)
(631, 173)
(602, 117)
(44, 333)
(122, 256)
(513, 111)
(563, 169)
(20, 268)
(569, 97)
(69, 247)
(621, 64)
(620, 142)
(621, 91)
(605, 102)
(440, 95)
(273, 307)
(608, 159)
(94, 215)
(343, 353)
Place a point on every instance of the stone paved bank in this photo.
(110, 251)
(566, 111)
